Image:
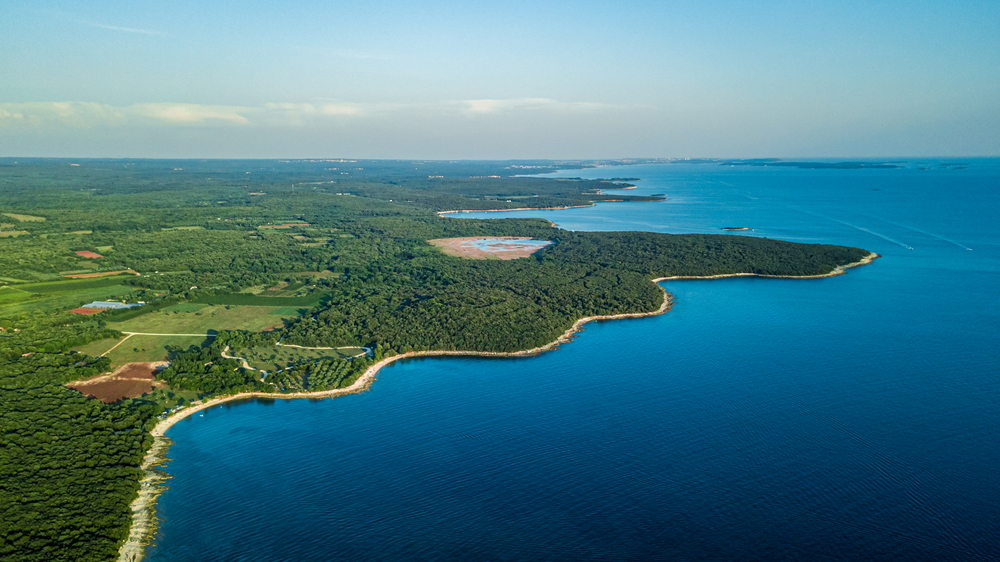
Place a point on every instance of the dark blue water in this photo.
(847, 418)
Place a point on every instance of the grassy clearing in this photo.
(139, 348)
(184, 228)
(24, 218)
(273, 358)
(170, 397)
(185, 307)
(317, 274)
(200, 321)
(72, 285)
(241, 299)
(12, 233)
(10, 294)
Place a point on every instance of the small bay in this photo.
(852, 417)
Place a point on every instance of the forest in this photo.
(341, 244)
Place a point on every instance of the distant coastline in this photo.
(591, 204)
(143, 507)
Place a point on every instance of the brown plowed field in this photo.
(89, 254)
(86, 310)
(128, 381)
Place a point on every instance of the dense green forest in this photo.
(342, 244)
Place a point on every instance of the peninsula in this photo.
(337, 268)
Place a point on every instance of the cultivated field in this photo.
(183, 320)
(129, 381)
(59, 295)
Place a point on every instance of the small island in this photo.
(736, 228)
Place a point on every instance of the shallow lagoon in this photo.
(853, 417)
(487, 244)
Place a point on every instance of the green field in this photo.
(140, 349)
(186, 319)
(59, 296)
(24, 218)
(243, 299)
(170, 397)
(74, 284)
(185, 307)
(273, 358)
(10, 294)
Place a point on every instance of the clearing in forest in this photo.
(140, 349)
(274, 358)
(102, 274)
(128, 381)
(192, 318)
(24, 218)
(484, 247)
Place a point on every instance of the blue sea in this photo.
(848, 418)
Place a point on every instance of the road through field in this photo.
(148, 334)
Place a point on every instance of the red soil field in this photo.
(89, 254)
(86, 310)
(101, 274)
(129, 381)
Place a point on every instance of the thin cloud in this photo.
(187, 113)
(85, 115)
(128, 29)
(491, 106)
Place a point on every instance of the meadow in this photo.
(140, 349)
(197, 318)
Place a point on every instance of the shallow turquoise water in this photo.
(490, 243)
(854, 417)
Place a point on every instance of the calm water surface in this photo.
(848, 418)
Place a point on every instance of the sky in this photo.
(499, 79)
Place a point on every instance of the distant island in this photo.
(812, 165)
(735, 228)
(299, 278)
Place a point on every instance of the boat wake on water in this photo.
(924, 232)
(856, 227)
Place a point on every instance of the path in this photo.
(366, 351)
(105, 354)
(148, 334)
(225, 354)
(130, 334)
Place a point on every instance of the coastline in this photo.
(143, 507)
(591, 204)
(839, 270)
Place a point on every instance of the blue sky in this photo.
(499, 79)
